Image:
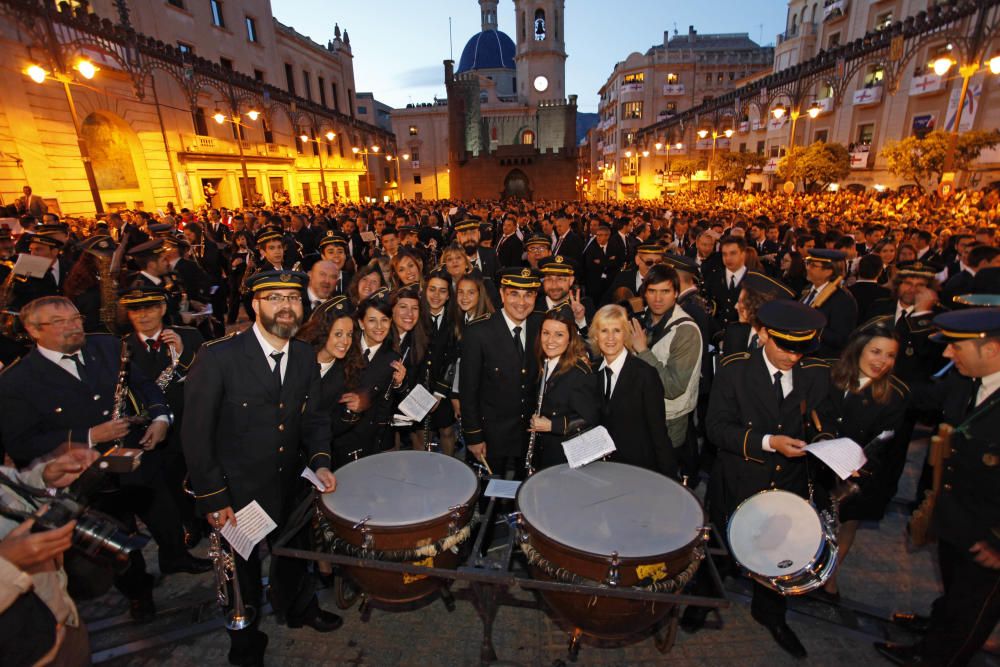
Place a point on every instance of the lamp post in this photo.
(779, 112)
(941, 67)
(363, 152)
(330, 136)
(659, 146)
(88, 71)
(715, 139)
(237, 123)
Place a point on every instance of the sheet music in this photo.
(418, 403)
(32, 265)
(588, 447)
(309, 475)
(367, 237)
(252, 525)
(501, 488)
(842, 455)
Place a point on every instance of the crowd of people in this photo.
(714, 335)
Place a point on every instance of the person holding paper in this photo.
(437, 310)
(571, 402)
(756, 420)
(865, 399)
(381, 378)
(252, 410)
(48, 248)
(410, 342)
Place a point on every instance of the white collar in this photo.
(772, 369)
(312, 295)
(153, 279)
(616, 365)
(990, 384)
(511, 323)
(365, 346)
(736, 274)
(155, 336)
(56, 356)
(174, 261)
(553, 365)
(264, 344)
(819, 289)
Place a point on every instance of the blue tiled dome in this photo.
(489, 49)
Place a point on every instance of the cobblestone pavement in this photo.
(880, 574)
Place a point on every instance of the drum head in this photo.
(607, 507)
(775, 533)
(400, 488)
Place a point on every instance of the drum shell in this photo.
(605, 617)
(396, 587)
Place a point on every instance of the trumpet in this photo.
(538, 410)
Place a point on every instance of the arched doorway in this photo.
(116, 156)
(516, 185)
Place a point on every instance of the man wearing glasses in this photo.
(63, 391)
(251, 410)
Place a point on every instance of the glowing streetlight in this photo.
(658, 145)
(330, 135)
(86, 69)
(728, 133)
(814, 110)
(219, 117)
(679, 146)
(355, 150)
(253, 114)
(702, 134)
(942, 65)
(406, 156)
(36, 73)
(628, 153)
(994, 64)
(645, 153)
(375, 149)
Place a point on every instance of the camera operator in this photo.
(39, 623)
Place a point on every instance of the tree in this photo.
(922, 160)
(816, 166)
(685, 167)
(733, 167)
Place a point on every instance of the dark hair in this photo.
(483, 306)
(363, 272)
(981, 253)
(405, 253)
(576, 350)
(316, 331)
(419, 342)
(846, 371)
(869, 267)
(733, 240)
(752, 301)
(660, 273)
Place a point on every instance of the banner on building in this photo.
(970, 108)
(922, 125)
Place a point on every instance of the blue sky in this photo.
(399, 45)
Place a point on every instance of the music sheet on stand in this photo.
(252, 525)
(842, 455)
(588, 447)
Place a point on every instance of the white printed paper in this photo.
(501, 488)
(588, 447)
(842, 455)
(32, 266)
(310, 476)
(367, 237)
(417, 403)
(252, 525)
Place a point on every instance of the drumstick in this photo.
(482, 459)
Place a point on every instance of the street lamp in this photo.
(237, 122)
(779, 112)
(364, 152)
(702, 133)
(330, 136)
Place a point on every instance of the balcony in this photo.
(834, 9)
(631, 88)
(743, 126)
(202, 145)
(866, 97)
(803, 30)
(860, 155)
(825, 105)
(928, 84)
(673, 89)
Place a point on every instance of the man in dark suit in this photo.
(627, 283)
(724, 286)
(216, 229)
(154, 271)
(568, 242)
(825, 271)
(48, 247)
(509, 248)
(601, 263)
(483, 259)
(978, 257)
(866, 290)
(498, 374)
(756, 422)
(63, 391)
(251, 414)
(333, 248)
(966, 518)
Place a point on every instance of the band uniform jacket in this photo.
(570, 246)
(44, 406)
(366, 436)
(572, 402)
(625, 280)
(866, 294)
(497, 388)
(860, 418)
(636, 418)
(30, 288)
(600, 266)
(717, 287)
(510, 251)
(841, 311)
(152, 362)
(744, 408)
(242, 435)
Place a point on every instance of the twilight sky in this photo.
(399, 45)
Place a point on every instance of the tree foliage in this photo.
(815, 166)
(923, 160)
(733, 167)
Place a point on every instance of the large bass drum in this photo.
(610, 524)
(405, 506)
(782, 542)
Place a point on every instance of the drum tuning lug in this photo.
(367, 539)
(613, 575)
(455, 515)
(361, 523)
(684, 480)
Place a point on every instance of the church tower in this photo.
(541, 50)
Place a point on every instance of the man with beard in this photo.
(558, 278)
(484, 259)
(251, 410)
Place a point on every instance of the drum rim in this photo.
(788, 575)
(406, 527)
(624, 559)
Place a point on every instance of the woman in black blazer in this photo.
(571, 401)
(633, 410)
(866, 399)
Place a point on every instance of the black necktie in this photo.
(80, 369)
(810, 296)
(437, 321)
(754, 342)
(368, 355)
(779, 393)
(976, 384)
(902, 315)
(732, 282)
(518, 344)
(277, 368)
(608, 374)
(152, 345)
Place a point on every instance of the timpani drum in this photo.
(405, 506)
(782, 542)
(609, 524)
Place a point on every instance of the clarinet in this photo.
(121, 388)
(538, 411)
(427, 418)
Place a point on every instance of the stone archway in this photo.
(117, 158)
(516, 185)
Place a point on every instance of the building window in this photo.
(217, 19)
(258, 76)
(883, 21)
(414, 131)
(528, 138)
(226, 63)
(720, 78)
(350, 101)
(200, 126)
(336, 99)
(185, 49)
(362, 110)
(299, 146)
(874, 76)
(866, 133)
(743, 147)
(632, 111)
(628, 139)
(708, 78)
(415, 157)
(933, 54)
(347, 189)
(671, 107)
(672, 79)
(732, 76)
(760, 147)
(822, 136)
(321, 84)
(637, 77)
(833, 41)
(251, 29)
(307, 193)
(539, 25)
(290, 78)
(307, 86)
(268, 135)
(416, 179)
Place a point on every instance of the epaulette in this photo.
(814, 362)
(922, 323)
(742, 356)
(11, 365)
(583, 366)
(481, 318)
(218, 340)
(901, 387)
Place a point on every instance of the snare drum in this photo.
(611, 524)
(782, 542)
(398, 506)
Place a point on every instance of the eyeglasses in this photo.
(275, 299)
(75, 319)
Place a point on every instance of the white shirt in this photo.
(990, 384)
(786, 389)
(553, 365)
(314, 300)
(616, 370)
(365, 346)
(814, 291)
(268, 349)
(66, 364)
(55, 270)
(153, 279)
(738, 275)
(324, 368)
(511, 324)
(143, 337)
